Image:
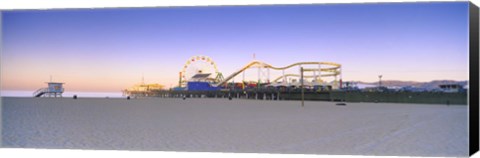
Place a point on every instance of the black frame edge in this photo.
(473, 79)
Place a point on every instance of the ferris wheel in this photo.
(197, 65)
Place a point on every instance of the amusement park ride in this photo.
(199, 69)
(200, 73)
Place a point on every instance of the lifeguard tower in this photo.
(54, 89)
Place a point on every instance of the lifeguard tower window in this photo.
(55, 87)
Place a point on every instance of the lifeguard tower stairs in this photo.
(54, 89)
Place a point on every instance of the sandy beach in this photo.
(221, 125)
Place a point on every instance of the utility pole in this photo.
(380, 81)
(180, 79)
(301, 84)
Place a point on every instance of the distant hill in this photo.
(427, 85)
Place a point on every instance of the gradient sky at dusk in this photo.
(110, 49)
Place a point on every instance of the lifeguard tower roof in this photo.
(54, 82)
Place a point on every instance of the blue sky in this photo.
(110, 49)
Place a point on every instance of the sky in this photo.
(107, 50)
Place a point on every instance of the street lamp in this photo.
(380, 81)
(301, 83)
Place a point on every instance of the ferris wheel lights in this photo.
(196, 65)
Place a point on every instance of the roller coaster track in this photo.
(297, 75)
(257, 63)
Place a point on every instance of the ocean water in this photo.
(9, 93)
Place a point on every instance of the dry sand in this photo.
(220, 125)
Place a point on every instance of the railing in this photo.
(40, 91)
